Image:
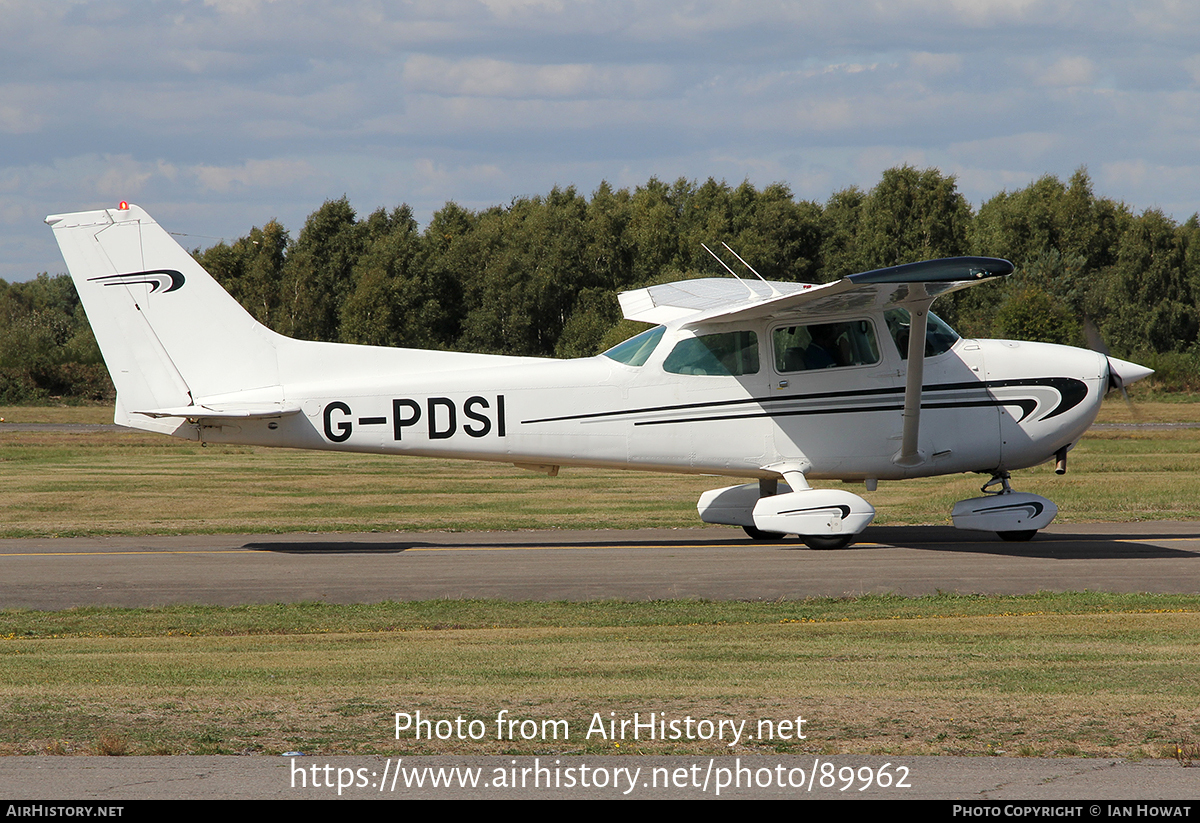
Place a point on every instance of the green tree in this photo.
(780, 237)
(1060, 235)
(1150, 305)
(318, 272)
(392, 301)
(251, 269)
(534, 268)
(912, 215)
(46, 345)
(608, 253)
(840, 223)
(1029, 313)
(653, 229)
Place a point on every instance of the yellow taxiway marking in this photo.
(367, 547)
(383, 547)
(142, 551)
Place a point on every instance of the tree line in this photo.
(540, 275)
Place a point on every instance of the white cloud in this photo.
(1172, 18)
(485, 77)
(272, 173)
(874, 160)
(17, 120)
(937, 65)
(1192, 66)
(1023, 150)
(266, 108)
(1069, 71)
(505, 8)
(1131, 174)
(433, 177)
(239, 7)
(980, 12)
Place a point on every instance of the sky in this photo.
(219, 115)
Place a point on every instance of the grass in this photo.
(122, 482)
(1087, 674)
(1056, 674)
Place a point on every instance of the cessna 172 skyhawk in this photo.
(854, 380)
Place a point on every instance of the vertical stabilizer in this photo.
(169, 333)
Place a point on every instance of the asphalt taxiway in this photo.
(710, 563)
(969, 780)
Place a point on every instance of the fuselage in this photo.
(987, 405)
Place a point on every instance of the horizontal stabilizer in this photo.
(241, 412)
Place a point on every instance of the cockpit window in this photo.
(636, 350)
(939, 337)
(729, 353)
(825, 346)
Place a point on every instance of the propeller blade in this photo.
(1091, 332)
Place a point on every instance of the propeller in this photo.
(1121, 373)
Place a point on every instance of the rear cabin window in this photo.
(825, 346)
(730, 354)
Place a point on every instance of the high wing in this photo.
(913, 286)
(719, 300)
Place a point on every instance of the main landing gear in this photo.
(1014, 516)
(770, 511)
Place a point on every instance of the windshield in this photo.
(636, 350)
(939, 337)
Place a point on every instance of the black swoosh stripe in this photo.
(148, 278)
(842, 507)
(1035, 508)
(1027, 404)
(1071, 390)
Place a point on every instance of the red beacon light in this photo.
(123, 206)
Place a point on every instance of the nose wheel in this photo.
(1003, 480)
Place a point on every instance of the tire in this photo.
(827, 542)
(1018, 536)
(759, 534)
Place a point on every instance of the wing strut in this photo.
(910, 454)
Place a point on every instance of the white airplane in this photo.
(853, 380)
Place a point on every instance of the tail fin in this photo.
(169, 333)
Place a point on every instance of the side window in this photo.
(939, 337)
(729, 353)
(825, 346)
